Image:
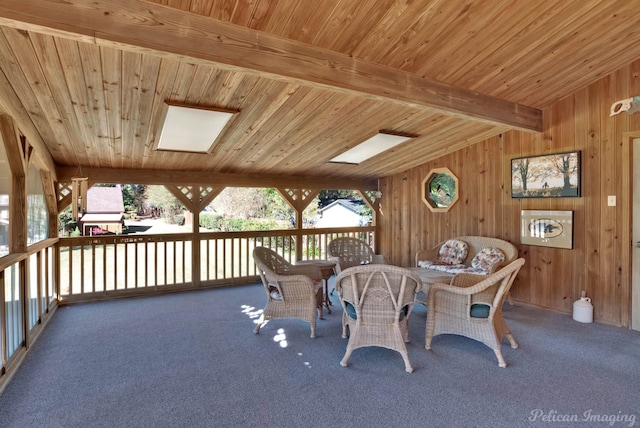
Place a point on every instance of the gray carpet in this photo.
(192, 360)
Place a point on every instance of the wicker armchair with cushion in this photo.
(471, 306)
(292, 291)
(377, 301)
(348, 252)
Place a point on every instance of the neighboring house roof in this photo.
(350, 205)
(101, 218)
(105, 200)
(341, 212)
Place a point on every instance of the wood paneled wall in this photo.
(552, 278)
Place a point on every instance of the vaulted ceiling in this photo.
(89, 79)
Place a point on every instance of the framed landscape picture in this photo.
(547, 176)
(547, 228)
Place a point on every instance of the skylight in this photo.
(369, 148)
(192, 129)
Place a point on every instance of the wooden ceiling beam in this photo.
(203, 178)
(160, 30)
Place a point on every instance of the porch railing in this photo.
(65, 270)
(28, 297)
(111, 266)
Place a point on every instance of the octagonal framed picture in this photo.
(440, 189)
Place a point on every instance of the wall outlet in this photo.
(611, 200)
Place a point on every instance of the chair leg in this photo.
(509, 299)
(345, 327)
(512, 341)
(345, 359)
(313, 330)
(502, 330)
(429, 330)
(259, 325)
(428, 338)
(501, 361)
(407, 363)
(320, 303)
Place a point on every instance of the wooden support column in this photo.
(195, 198)
(299, 199)
(49, 189)
(372, 198)
(202, 197)
(187, 195)
(18, 152)
(18, 215)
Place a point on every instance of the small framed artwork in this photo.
(547, 228)
(547, 176)
(440, 190)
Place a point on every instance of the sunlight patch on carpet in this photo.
(281, 338)
(252, 312)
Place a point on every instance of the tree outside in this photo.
(234, 209)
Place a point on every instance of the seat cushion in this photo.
(317, 290)
(351, 311)
(480, 310)
(453, 252)
(274, 293)
(487, 258)
(443, 267)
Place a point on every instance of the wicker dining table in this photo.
(428, 277)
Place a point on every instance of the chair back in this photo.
(350, 251)
(377, 293)
(268, 260)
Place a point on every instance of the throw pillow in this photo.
(453, 252)
(487, 258)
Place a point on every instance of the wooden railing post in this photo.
(195, 250)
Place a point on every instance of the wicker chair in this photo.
(348, 252)
(377, 301)
(471, 306)
(292, 291)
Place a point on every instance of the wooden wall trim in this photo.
(626, 263)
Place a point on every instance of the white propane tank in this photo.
(583, 309)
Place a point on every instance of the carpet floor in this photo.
(192, 360)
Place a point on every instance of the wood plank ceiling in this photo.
(89, 79)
